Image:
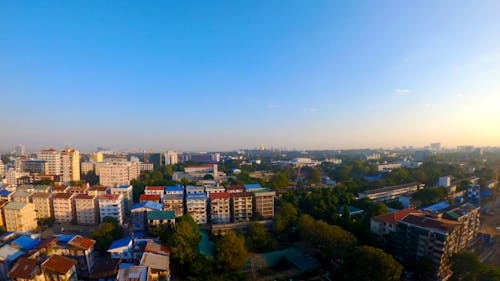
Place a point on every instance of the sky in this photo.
(223, 75)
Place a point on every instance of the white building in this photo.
(171, 157)
(53, 158)
(112, 205)
(115, 173)
(70, 165)
(126, 191)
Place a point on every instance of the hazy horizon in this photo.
(218, 76)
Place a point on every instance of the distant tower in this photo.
(262, 147)
(20, 150)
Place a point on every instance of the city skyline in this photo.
(229, 75)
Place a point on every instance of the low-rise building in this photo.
(139, 213)
(20, 217)
(87, 209)
(98, 190)
(219, 207)
(64, 207)
(390, 192)
(122, 249)
(81, 249)
(58, 267)
(112, 205)
(150, 197)
(159, 265)
(156, 219)
(154, 190)
(196, 207)
(25, 270)
(135, 273)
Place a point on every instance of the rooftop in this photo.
(24, 269)
(15, 206)
(241, 194)
(58, 264)
(149, 197)
(110, 196)
(98, 188)
(124, 186)
(133, 273)
(430, 223)
(156, 248)
(25, 242)
(174, 188)
(196, 196)
(42, 195)
(148, 204)
(120, 243)
(84, 197)
(62, 196)
(252, 186)
(160, 215)
(9, 253)
(219, 195)
(155, 261)
(234, 187)
(390, 188)
(393, 218)
(82, 242)
(4, 192)
(155, 188)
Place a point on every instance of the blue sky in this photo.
(219, 75)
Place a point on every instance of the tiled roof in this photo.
(234, 187)
(431, 223)
(24, 269)
(156, 188)
(149, 197)
(82, 242)
(84, 197)
(109, 196)
(62, 196)
(241, 194)
(219, 195)
(392, 218)
(160, 215)
(98, 188)
(58, 264)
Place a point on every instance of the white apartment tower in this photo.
(112, 205)
(171, 157)
(70, 165)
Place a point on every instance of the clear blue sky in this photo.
(213, 75)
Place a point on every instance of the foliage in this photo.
(91, 177)
(286, 219)
(107, 232)
(396, 204)
(183, 242)
(2, 229)
(258, 239)
(428, 195)
(467, 267)
(44, 182)
(279, 180)
(230, 252)
(313, 175)
(369, 263)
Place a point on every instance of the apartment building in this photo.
(263, 201)
(22, 196)
(112, 205)
(87, 209)
(387, 223)
(139, 213)
(241, 206)
(196, 207)
(114, 173)
(96, 157)
(64, 207)
(98, 190)
(154, 190)
(53, 159)
(469, 216)
(174, 199)
(234, 188)
(126, 191)
(35, 166)
(44, 207)
(171, 157)
(191, 189)
(436, 238)
(20, 217)
(79, 189)
(70, 165)
(219, 207)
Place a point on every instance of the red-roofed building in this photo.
(82, 251)
(149, 197)
(157, 190)
(58, 267)
(25, 269)
(219, 207)
(384, 224)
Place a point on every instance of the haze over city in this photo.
(226, 75)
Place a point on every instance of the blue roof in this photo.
(124, 265)
(437, 207)
(4, 192)
(194, 196)
(252, 186)
(25, 242)
(120, 243)
(174, 188)
(148, 204)
(64, 237)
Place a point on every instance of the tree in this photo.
(108, 231)
(91, 178)
(424, 268)
(313, 175)
(183, 243)
(466, 266)
(279, 180)
(369, 263)
(258, 239)
(286, 219)
(230, 252)
(208, 177)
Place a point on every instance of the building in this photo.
(469, 216)
(191, 189)
(156, 219)
(388, 166)
(127, 192)
(122, 249)
(20, 217)
(64, 207)
(154, 190)
(21, 196)
(387, 223)
(196, 207)
(81, 249)
(139, 213)
(25, 270)
(219, 207)
(20, 150)
(171, 157)
(436, 238)
(53, 159)
(44, 207)
(114, 173)
(150, 197)
(134, 273)
(214, 189)
(96, 157)
(97, 190)
(60, 189)
(87, 209)
(159, 265)
(390, 192)
(70, 165)
(35, 166)
(58, 267)
(146, 167)
(174, 202)
(444, 181)
(263, 201)
(234, 188)
(112, 205)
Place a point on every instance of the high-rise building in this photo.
(35, 166)
(241, 206)
(171, 157)
(96, 157)
(219, 207)
(64, 207)
(112, 205)
(70, 165)
(196, 206)
(2, 168)
(20, 217)
(264, 202)
(87, 209)
(114, 173)
(44, 207)
(126, 191)
(53, 159)
(20, 150)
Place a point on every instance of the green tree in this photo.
(230, 252)
(466, 266)
(424, 269)
(279, 180)
(108, 231)
(313, 175)
(258, 239)
(369, 263)
(183, 243)
(286, 219)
